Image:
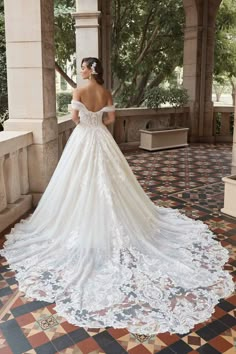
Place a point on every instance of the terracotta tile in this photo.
(93, 330)
(232, 299)
(220, 344)
(25, 319)
(38, 339)
(168, 338)
(194, 340)
(17, 303)
(117, 332)
(68, 327)
(218, 312)
(139, 349)
(6, 350)
(199, 326)
(88, 345)
(9, 274)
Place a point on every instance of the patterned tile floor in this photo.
(188, 179)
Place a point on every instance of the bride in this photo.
(99, 248)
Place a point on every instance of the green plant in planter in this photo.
(175, 96)
(63, 99)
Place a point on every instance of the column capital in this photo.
(86, 19)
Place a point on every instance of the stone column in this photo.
(233, 169)
(191, 62)
(31, 84)
(87, 32)
(199, 64)
(105, 39)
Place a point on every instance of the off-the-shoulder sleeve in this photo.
(109, 109)
(76, 105)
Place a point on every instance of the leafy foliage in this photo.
(175, 96)
(147, 37)
(64, 30)
(63, 99)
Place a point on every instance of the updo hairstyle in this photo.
(96, 65)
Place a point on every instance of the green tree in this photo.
(147, 37)
(225, 45)
(64, 30)
(64, 37)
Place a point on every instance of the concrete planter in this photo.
(163, 139)
(230, 195)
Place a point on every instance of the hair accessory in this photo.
(93, 66)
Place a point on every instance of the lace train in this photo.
(106, 255)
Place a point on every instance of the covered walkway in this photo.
(188, 179)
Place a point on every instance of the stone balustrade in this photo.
(223, 124)
(65, 128)
(130, 120)
(15, 196)
(15, 199)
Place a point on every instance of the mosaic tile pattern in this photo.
(188, 179)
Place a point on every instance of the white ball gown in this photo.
(99, 248)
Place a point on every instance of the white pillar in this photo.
(87, 31)
(31, 84)
(233, 169)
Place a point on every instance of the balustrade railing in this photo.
(130, 120)
(15, 199)
(223, 124)
(65, 128)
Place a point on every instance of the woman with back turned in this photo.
(101, 250)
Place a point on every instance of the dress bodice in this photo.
(89, 117)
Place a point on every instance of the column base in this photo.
(42, 161)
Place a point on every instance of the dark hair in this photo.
(98, 68)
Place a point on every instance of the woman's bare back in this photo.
(93, 96)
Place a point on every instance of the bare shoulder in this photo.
(109, 98)
(78, 91)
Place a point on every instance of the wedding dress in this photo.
(99, 248)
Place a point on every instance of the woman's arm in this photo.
(110, 116)
(75, 112)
